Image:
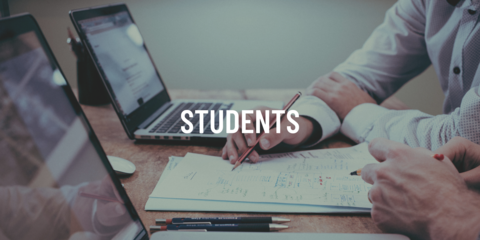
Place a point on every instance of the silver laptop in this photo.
(55, 179)
(136, 89)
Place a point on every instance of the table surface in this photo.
(151, 159)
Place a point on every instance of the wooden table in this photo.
(151, 159)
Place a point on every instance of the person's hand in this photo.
(237, 143)
(108, 216)
(339, 93)
(465, 155)
(416, 195)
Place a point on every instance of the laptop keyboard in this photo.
(173, 123)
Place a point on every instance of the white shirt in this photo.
(415, 34)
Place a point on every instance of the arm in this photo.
(414, 128)
(316, 122)
(394, 53)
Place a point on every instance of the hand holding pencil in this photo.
(272, 123)
(238, 143)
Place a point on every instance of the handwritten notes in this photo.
(315, 177)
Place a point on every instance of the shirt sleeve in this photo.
(394, 53)
(415, 128)
(318, 110)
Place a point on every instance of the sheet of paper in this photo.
(189, 205)
(316, 177)
(192, 205)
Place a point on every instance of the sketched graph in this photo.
(295, 178)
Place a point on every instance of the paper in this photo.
(316, 177)
(189, 205)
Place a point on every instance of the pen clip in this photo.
(191, 230)
(184, 223)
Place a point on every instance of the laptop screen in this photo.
(120, 53)
(53, 181)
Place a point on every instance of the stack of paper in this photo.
(313, 181)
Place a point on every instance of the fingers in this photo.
(337, 77)
(236, 145)
(232, 151)
(250, 137)
(472, 178)
(111, 214)
(260, 112)
(464, 154)
(383, 149)
(369, 172)
(454, 149)
(272, 139)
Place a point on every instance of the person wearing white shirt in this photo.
(414, 35)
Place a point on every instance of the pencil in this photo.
(246, 153)
(358, 172)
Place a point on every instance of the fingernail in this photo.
(265, 143)
(231, 157)
(249, 142)
(223, 151)
(255, 157)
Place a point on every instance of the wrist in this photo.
(312, 131)
(461, 217)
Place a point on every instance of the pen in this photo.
(217, 220)
(257, 227)
(358, 172)
(246, 153)
(89, 195)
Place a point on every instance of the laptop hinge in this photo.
(155, 115)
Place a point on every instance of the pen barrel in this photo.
(259, 227)
(256, 220)
(218, 220)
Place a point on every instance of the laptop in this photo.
(136, 88)
(55, 179)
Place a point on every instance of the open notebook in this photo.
(313, 181)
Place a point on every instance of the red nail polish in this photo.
(439, 157)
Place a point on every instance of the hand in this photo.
(109, 217)
(419, 196)
(339, 93)
(237, 143)
(465, 155)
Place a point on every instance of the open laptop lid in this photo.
(122, 59)
(55, 179)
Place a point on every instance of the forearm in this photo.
(324, 121)
(393, 54)
(414, 128)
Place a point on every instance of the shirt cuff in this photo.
(360, 120)
(318, 110)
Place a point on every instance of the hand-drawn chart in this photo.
(319, 177)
